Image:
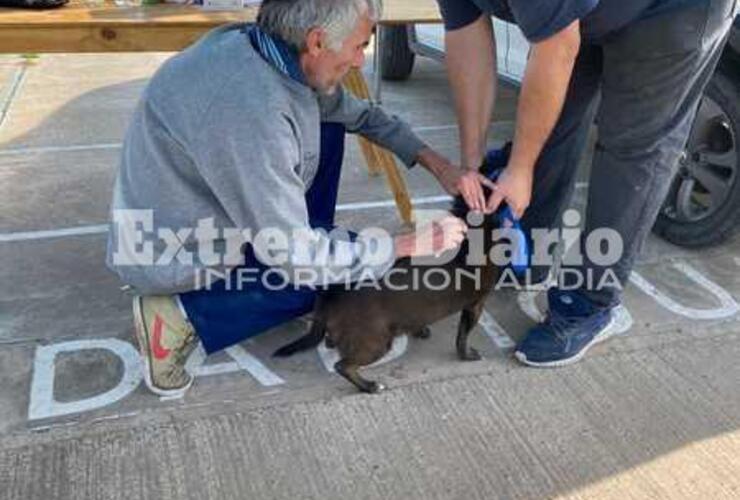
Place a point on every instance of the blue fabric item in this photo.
(573, 324)
(496, 160)
(540, 19)
(276, 52)
(228, 313)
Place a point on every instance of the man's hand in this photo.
(433, 239)
(470, 185)
(514, 186)
(457, 181)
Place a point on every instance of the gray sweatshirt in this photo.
(220, 135)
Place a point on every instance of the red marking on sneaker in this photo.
(159, 351)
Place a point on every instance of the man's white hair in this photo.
(291, 20)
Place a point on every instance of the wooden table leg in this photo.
(379, 159)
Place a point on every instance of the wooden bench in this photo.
(102, 26)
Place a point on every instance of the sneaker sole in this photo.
(607, 332)
(142, 336)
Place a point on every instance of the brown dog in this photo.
(362, 323)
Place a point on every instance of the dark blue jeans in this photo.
(227, 313)
(643, 85)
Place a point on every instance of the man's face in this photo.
(324, 68)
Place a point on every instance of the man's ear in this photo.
(315, 41)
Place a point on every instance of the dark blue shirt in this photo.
(540, 19)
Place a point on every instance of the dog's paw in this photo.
(471, 355)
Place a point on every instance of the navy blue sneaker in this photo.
(572, 326)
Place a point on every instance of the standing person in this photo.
(245, 130)
(648, 61)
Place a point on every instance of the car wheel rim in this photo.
(707, 168)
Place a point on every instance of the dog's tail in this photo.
(314, 336)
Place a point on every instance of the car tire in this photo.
(396, 58)
(685, 219)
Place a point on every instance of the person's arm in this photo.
(362, 117)
(473, 83)
(471, 67)
(370, 121)
(541, 99)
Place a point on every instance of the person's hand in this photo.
(513, 186)
(467, 183)
(470, 184)
(433, 239)
(457, 181)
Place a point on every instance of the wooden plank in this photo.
(90, 12)
(355, 82)
(381, 159)
(85, 26)
(397, 185)
(84, 39)
(86, 13)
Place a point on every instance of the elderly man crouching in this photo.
(245, 130)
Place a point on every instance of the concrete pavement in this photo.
(654, 413)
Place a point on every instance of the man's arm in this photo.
(371, 121)
(541, 99)
(471, 67)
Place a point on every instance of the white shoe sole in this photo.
(607, 332)
(143, 340)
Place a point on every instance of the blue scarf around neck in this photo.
(276, 52)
